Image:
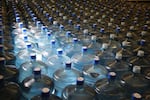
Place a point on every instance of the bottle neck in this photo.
(59, 54)
(84, 52)
(45, 96)
(68, 67)
(33, 60)
(53, 46)
(95, 63)
(37, 76)
(94, 41)
(111, 81)
(79, 87)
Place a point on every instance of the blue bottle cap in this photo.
(123, 19)
(117, 29)
(94, 26)
(136, 96)
(29, 45)
(84, 48)
(50, 19)
(61, 27)
(38, 23)
(32, 14)
(48, 33)
(34, 18)
(33, 56)
(45, 92)
(20, 25)
(24, 30)
(102, 30)
(53, 42)
(25, 39)
(73, 14)
(68, 64)
(47, 14)
(75, 40)
(17, 15)
(43, 28)
(68, 33)
(145, 27)
(96, 60)
(78, 26)
(70, 22)
(41, 9)
(59, 51)
(111, 75)
(17, 19)
(37, 71)
(28, 9)
(142, 42)
(80, 81)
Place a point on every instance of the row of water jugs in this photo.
(74, 63)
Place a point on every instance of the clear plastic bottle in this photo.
(94, 72)
(46, 95)
(135, 81)
(118, 65)
(10, 90)
(60, 33)
(24, 55)
(58, 60)
(81, 59)
(67, 39)
(9, 56)
(55, 26)
(21, 44)
(10, 72)
(113, 44)
(110, 88)
(80, 91)
(50, 49)
(94, 46)
(73, 48)
(140, 59)
(32, 85)
(125, 50)
(142, 45)
(106, 56)
(65, 76)
(27, 67)
(85, 38)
